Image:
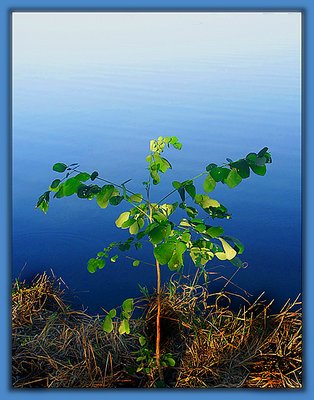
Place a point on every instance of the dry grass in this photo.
(213, 346)
(54, 346)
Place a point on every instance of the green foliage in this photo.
(195, 236)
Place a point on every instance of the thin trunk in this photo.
(160, 372)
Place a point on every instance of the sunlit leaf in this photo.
(136, 198)
(233, 179)
(82, 176)
(114, 258)
(112, 313)
(104, 195)
(200, 228)
(122, 218)
(70, 186)
(214, 231)
(176, 184)
(134, 228)
(107, 325)
(229, 251)
(209, 183)
(95, 263)
(171, 362)
(205, 201)
(128, 305)
(124, 327)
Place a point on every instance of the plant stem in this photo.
(174, 190)
(160, 372)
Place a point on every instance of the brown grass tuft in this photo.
(213, 346)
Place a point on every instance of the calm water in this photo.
(103, 116)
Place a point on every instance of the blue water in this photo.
(103, 115)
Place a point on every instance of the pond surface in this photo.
(102, 115)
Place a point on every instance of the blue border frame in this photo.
(307, 8)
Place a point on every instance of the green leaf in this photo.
(160, 232)
(128, 305)
(136, 198)
(181, 191)
(140, 222)
(176, 184)
(55, 183)
(124, 327)
(70, 186)
(107, 325)
(262, 152)
(163, 164)
(260, 161)
(175, 262)
(205, 201)
(233, 179)
(200, 228)
(94, 175)
(191, 211)
(136, 263)
(114, 258)
(186, 237)
(237, 262)
(209, 183)
(44, 205)
(242, 168)
(180, 247)
(177, 146)
(95, 263)
(122, 218)
(171, 362)
(251, 158)
(142, 340)
(43, 198)
(82, 176)
(104, 195)
(168, 209)
(239, 245)
(59, 193)
(191, 190)
(229, 251)
(219, 173)
(210, 167)
(112, 313)
(163, 252)
(155, 176)
(214, 231)
(259, 170)
(115, 200)
(134, 228)
(59, 167)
